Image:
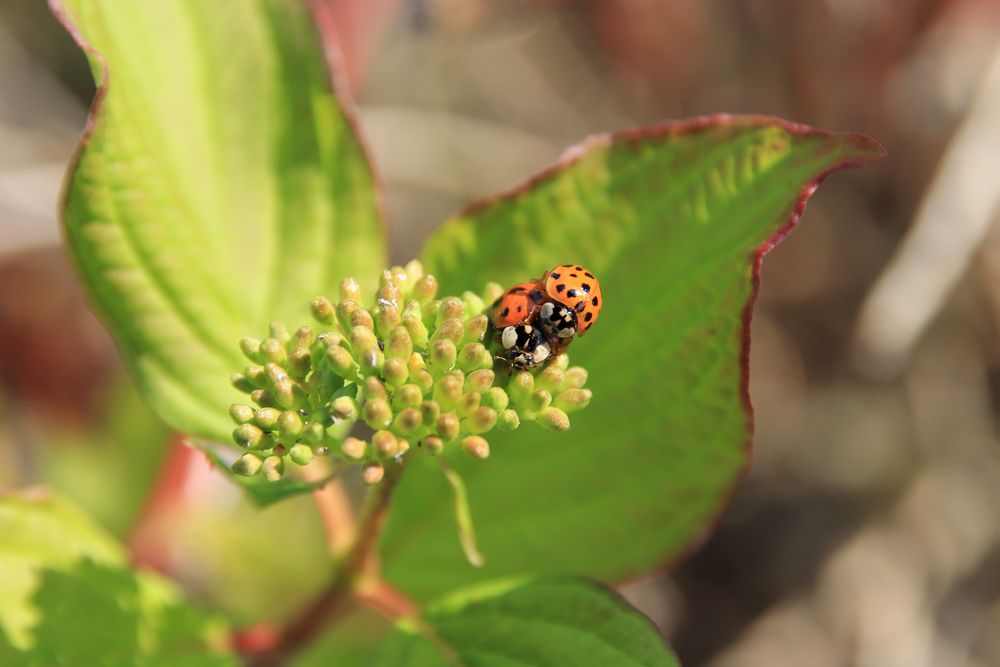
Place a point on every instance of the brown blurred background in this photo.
(867, 531)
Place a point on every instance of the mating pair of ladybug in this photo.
(536, 320)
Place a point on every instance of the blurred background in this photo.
(866, 532)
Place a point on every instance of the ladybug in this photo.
(518, 305)
(576, 287)
(524, 346)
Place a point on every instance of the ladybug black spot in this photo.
(516, 290)
(519, 309)
(571, 294)
(579, 268)
(588, 274)
(556, 276)
(594, 301)
(588, 317)
(572, 275)
(585, 287)
(505, 312)
(560, 287)
(580, 306)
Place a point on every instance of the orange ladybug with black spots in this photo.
(577, 288)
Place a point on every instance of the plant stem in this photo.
(359, 563)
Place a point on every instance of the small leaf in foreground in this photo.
(551, 622)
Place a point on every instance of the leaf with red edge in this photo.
(674, 220)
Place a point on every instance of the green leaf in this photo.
(545, 623)
(69, 599)
(674, 221)
(219, 185)
(353, 641)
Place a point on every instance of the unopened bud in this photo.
(572, 400)
(273, 468)
(240, 413)
(448, 392)
(345, 407)
(429, 412)
(376, 413)
(553, 419)
(300, 362)
(475, 328)
(251, 349)
(290, 424)
(354, 448)
(386, 319)
(473, 303)
(469, 403)
(492, 292)
(539, 400)
(561, 362)
(520, 386)
(476, 446)
(263, 398)
(395, 372)
(425, 289)
(341, 362)
(450, 307)
(362, 338)
(388, 290)
(275, 373)
(372, 474)
(495, 398)
(302, 338)
(241, 382)
(371, 361)
(344, 310)
(248, 436)
(407, 421)
(322, 310)
(481, 420)
(407, 396)
(247, 465)
(301, 454)
(474, 356)
(289, 395)
(414, 271)
(453, 329)
(550, 379)
(257, 375)
(312, 432)
(350, 290)
(385, 444)
(272, 350)
(508, 420)
(364, 319)
(575, 377)
(433, 444)
(266, 418)
(415, 327)
(399, 346)
(375, 389)
(448, 426)
(443, 354)
(279, 332)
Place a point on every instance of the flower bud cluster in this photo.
(418, 370)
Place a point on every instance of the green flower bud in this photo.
(433, 444)
(290, 424)
(251, 349)
(273, 468)
(330, 338)
(300, 363)
(403, 446)
(376, 413)
(301, 454)
(407, 396)
(508, 420)
(425, 289)
(289, 395)
(553, 419)
(475, 328)
(257, 375)
(279, 332)
(450, 307)
(468, 404)
(345, 407)
(248, 436)
(312, 432)
(374, 388)
(414, 271)
(354, 448)
(385, 444)
(272, 350)
(422, 379)
(481, 420)
(372, 474)
(476, 446)
(575, 377)
(443, 355)
(407, 421)
(452, 328)
(561, 362)
(429, 412)
(479, 381)
(473, 302)
(362, 318)
(247, 465)
(418, 332)
(302, 338)
(475, 356)
(338, 430)
(322, 310)
(492, 292)
(448, 426)
(240, 413)
(262, 397)
(495, 398)
(266, 418)
(386, 319)
(573, 400)
(350, 290)
(341, 362)
(395, 372)
(539, 400)
(399, 345)
(371, 361)
(388, 291)
(275, 373)
(550, 379)
(363, 338)
(448, 392)
(345, 309)
(241, 382)
(520, 386)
